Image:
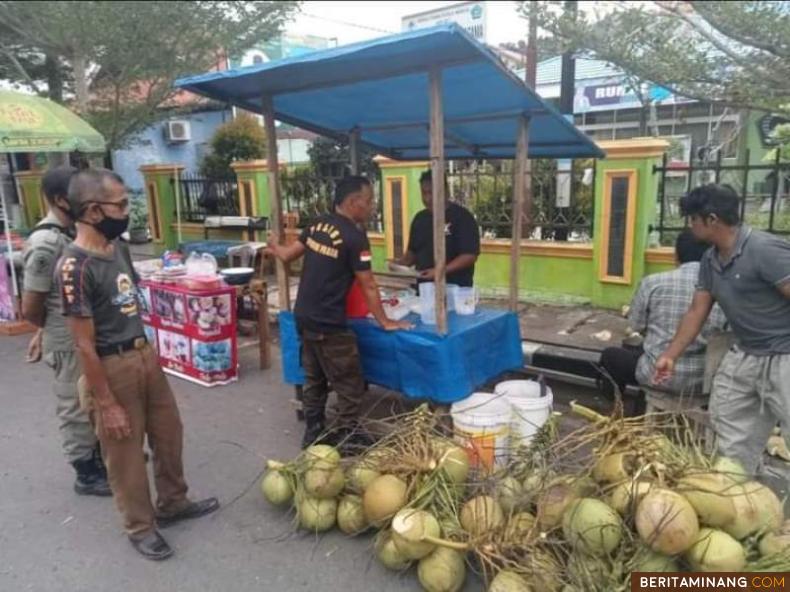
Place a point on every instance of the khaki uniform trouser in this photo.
(332, 359)
(750, 395)
(141, 388)
(76, 432)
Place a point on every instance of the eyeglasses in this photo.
(121, 205)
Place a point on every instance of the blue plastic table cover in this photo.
(420, 363)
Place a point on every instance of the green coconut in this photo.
(715, 550)
(350, 515)
(443, 570)
(321, 456)
(537, 480)
(317, 515)
(553, 503)
(614, 467)
(776, 542)
(509, 493)
(383, 498)
(508, 581)
(732, 468)
(647, 560)
(389, 556)
(362, 474)
(455, 462)
(324, 483)
(711, 496)
(625, 496)
(276, 488)
(519, 526)
(409, 527)
(590, 526)
(590, 573)
(481, 514)
(757, 510)
(666, 521)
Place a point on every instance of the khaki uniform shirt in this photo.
(42, 251)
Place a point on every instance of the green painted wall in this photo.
(651, 268)
(550, 276)
(611, 295)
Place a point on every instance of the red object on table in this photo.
(193, 331)
(356, 305)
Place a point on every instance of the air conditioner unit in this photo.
(177, 130)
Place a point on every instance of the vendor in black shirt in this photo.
(336, 252)
(462, 240)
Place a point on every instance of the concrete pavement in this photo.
(52, 540)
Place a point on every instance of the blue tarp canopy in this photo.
(380, 88)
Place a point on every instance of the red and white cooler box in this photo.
(194, 331)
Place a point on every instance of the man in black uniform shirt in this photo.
(462, 237)
(336, 252)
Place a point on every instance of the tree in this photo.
(329, 158)
(238, 140)
(119, 59)
(737, 53)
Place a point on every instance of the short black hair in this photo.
(348, 185)
(713, 199)
(55, 182)
(90, 185)
(688, 248)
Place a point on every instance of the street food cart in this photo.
(432, 94)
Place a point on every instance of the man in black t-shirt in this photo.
(336, 252)
(129, 394)
(462, 237)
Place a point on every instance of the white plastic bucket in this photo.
(428, 303)
(466, 300)
(481, 424)
(529, 410)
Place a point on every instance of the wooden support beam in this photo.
(439, 204)
(521, 189)
(353, 149)
(283, 289)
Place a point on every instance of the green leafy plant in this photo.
(238, 140)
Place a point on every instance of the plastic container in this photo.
(531, 403)
(466, 300)
(481, 424)
(428, 303)
(452, 294)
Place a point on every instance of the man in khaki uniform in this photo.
(41, 306)
(130, 396)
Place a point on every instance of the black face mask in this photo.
(112, 228)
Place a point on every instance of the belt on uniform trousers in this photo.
(119, 348)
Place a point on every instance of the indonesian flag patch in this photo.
(364, 257)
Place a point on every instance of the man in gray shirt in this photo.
(41, 306)
(748, 273)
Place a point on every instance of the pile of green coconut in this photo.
(571, 514)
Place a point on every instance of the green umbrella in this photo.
(33, 124)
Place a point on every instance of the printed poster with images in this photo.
(7, 312)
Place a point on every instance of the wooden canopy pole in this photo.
(276, 205)
(353, 148)
(522, 187)
(439, 205)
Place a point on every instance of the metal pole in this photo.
(745, 184)
(353, 148)
(775, 194)
(275, 199)
(177, 182)
(520, 191)
(439, 204)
